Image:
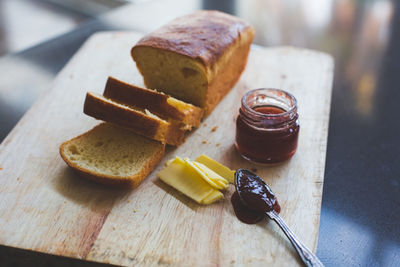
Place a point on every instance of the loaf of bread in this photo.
(140, 121)
(197, 58)
(160, 104)
(112, 155)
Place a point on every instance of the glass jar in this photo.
(267, 127)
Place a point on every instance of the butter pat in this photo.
(207, 174)
(214, 196)
(180, 175)
(217, 167)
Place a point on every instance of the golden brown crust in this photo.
(203, 35)
(152, 100)
(227, 76)
(129, 181)
(140, 123)
(219, 41)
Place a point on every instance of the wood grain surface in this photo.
(46, 207)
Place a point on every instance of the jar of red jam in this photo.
(267, 127)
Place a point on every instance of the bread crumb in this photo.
(204, 142)
(205, 124)
(113, 227)
(129, 201)
(217, 144)
(18, 179)
(214, 128)
(186, 127)
(254, 170)
(1, 168)
(65, 202)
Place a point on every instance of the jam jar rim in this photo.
(292, 109)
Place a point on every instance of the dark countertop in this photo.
(360, 213)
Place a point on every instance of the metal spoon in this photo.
(257, 195)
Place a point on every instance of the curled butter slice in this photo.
(214, 196)
(210, 175)
(178, 175)
(212, 179)
(217, 167)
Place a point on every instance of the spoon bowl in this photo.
(258, 196)
(254, 192)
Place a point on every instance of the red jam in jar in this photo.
(267, 127)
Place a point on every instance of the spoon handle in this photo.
(309, 258)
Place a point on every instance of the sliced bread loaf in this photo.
(197, 58)
(112, 155)
(140, 121)
(159, 103)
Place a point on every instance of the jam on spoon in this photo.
(243, 213)
(255, 197)
(252, 192)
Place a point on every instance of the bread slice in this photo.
(159, 103)
(112, 155)
(140, 121)
(196, 58)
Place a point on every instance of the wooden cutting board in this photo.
(45, 207)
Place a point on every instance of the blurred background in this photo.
(355, 32)
(361, 201)
(24, 23)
